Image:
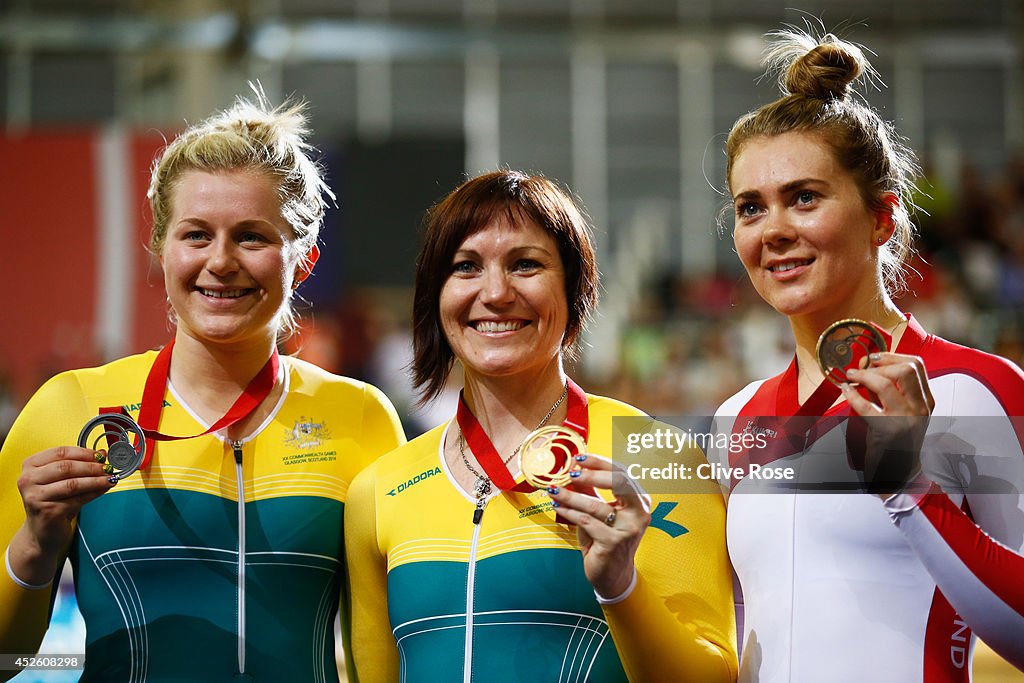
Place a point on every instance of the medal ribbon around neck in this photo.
(793, 427)
(153, 400)
(483, 450)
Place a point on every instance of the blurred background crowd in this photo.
(627, 102)
(689, 342)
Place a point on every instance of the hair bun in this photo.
(825, 72)
(821, 68)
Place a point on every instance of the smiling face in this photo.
(803, 231)
(229, 258)
(503, 308)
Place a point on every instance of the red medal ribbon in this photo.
(479, 443)
(787, 430)
(156, 384)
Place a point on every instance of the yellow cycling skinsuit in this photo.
(439, 598)
(180, 578)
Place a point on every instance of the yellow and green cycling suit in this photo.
(180, 578)
(436, 597)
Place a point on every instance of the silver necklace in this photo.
(482, 487)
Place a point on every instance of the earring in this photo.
(881, 241)
(172, 317)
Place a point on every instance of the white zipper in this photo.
(236, 446)
(478, 514)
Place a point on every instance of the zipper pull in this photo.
(478, 513)
(236, 446)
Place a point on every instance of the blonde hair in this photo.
(816, 76)
(256, 136)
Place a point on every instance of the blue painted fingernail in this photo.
(575, 473)
(553, 490)
(113, 479)
(554, 504)
(580, 458)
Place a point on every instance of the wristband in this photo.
(27, 586)
(621, 596)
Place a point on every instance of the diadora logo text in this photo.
(422, 476)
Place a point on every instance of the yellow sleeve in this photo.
(679, 622)
(382, 429)
(381, 433)
(52, 418)
(373, 651)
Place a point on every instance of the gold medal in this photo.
(845, 345)
(546, 456)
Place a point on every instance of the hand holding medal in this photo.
(891, 397)
(554, 458)
(608, 531)
(122, 457)
(847, 345)
(855, 352)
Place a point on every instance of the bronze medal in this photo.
(848, 344)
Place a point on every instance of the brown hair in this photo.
(816, 77)
(470, 208)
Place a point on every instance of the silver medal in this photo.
(122, 457)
